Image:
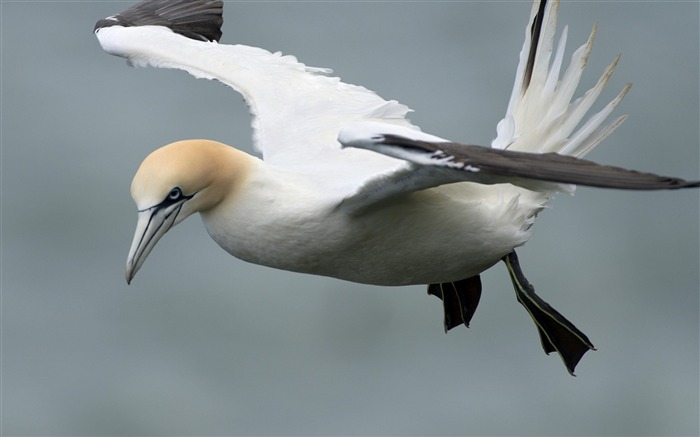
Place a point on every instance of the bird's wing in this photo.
(297, 110)
(432, 161)
(541, 120)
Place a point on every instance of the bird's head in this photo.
(175, 182)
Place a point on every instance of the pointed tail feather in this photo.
(541, 116)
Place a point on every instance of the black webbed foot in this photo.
(459, 300)
(556, 332)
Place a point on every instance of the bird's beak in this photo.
(152, 224)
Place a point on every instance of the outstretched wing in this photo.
(538, 143)
(297, 110)
(432, 161)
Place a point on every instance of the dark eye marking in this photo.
(174, 197)
(175, 194)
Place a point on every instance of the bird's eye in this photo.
(175, 194)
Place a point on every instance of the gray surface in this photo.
(203, 344)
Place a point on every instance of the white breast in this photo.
(437, 235)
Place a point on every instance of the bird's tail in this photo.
(541, 115)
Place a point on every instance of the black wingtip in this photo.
(550, 167)
(195, 19)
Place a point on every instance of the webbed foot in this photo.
(556, 332)
(459, 300)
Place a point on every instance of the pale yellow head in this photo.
(177, 181)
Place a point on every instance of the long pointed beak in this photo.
(152, 224)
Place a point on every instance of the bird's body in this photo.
(289, 220)
(349, 188)
(435, 235)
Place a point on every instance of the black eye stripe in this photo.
(171, 199)
(174, 196)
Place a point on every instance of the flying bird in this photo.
(348, 187)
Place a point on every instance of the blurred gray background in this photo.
(204, 344)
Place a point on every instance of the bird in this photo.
(345, 186)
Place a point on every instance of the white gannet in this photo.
(349, 188)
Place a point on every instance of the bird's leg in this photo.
(556, 332)
(459, 300)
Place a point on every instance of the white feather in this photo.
(297, 112)
(541, 116)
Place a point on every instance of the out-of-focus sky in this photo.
(204, 344)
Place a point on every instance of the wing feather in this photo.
(200, 19)
(297, 110)
(431, 161)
